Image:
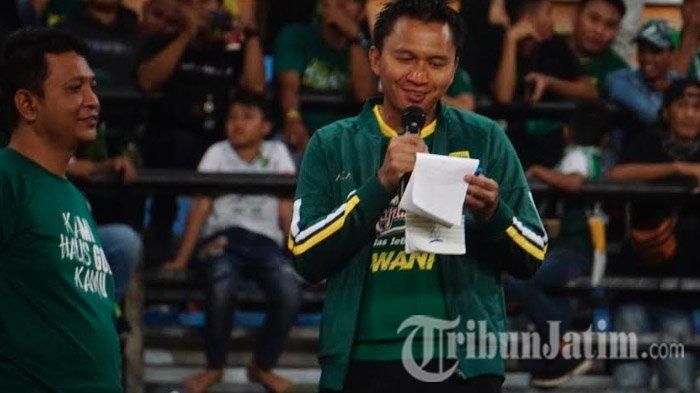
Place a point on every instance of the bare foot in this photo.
(200, 382)
(271, 381)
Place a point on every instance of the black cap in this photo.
(677, 90)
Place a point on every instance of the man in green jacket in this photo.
(347, 227)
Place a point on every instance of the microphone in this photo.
(412, 121)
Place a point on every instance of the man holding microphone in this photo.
(347, 227)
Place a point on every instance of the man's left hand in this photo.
(482, 197)
(123, 166)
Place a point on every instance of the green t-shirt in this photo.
(694, 70)
(301, 48)
(398, 286)
(600, 66)
(57, 330)
(461, 84)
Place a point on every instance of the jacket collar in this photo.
(370, 124)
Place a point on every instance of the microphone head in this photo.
(412, 119)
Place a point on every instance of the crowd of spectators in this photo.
(205, 62)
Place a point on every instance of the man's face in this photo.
(542, 18)
(69, 110)
(595, 27)
(684, 115)
(246, 126)
(161, 17)
(416, 64)
(653, 62)
(351, 9)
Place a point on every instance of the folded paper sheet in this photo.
(433, 202)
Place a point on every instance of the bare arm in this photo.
(643, 171)
(504, 83)
(195, 219)
(85, 169)
(253, 77)
(683, 56)
(153, 73)
(582, 88)
(568, 182)
(364, 84)
(295, 133)
(286, 207)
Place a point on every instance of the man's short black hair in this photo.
(589, 122)
(253, 100)
(517, 8)
(23, 64)
(427, 11)
(619, 5)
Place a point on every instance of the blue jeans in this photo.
(238, 254)
(561, 265)
(674, 325)
(123, 248)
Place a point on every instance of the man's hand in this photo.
(190, 20)
(498, 15)
(295, 135)
(482, 197)
(689, 169)
(534, 172)
(334, 15)
(522, 30)
(124, 167)
(540, 84)
(400, 158)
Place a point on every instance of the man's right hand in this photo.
(689, 169)
(400, 158)
(522, 30)
(295, 135)
(175, 264)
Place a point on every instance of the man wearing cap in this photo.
(670, 152)
(641, 90)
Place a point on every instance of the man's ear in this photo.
(374, 54)
(26, 103)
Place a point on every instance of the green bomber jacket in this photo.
(339, 200)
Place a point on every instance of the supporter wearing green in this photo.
(595, 25)
(328, 55)
(57, 330)
(347, 227)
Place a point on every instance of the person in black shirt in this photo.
(111, 32)
(670, 154)
(197, 70)
(537, 66)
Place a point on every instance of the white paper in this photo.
(424, 235)
(436, 188)
(433, 201)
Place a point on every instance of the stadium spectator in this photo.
(197, 70)
(327, 55)
(595, 25)
(111, 32)
(570, 254)
(47, 12)
(664, 238)
(242, 237)
(537, 65)
(57, 327)
(641, 90)
(687, 41)
(160, 17)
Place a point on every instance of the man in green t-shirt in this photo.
(328, 55)
(687, 41)
(595, 25)
(57, 331)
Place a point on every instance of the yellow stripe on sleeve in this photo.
(327, 231)
(525, 244)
